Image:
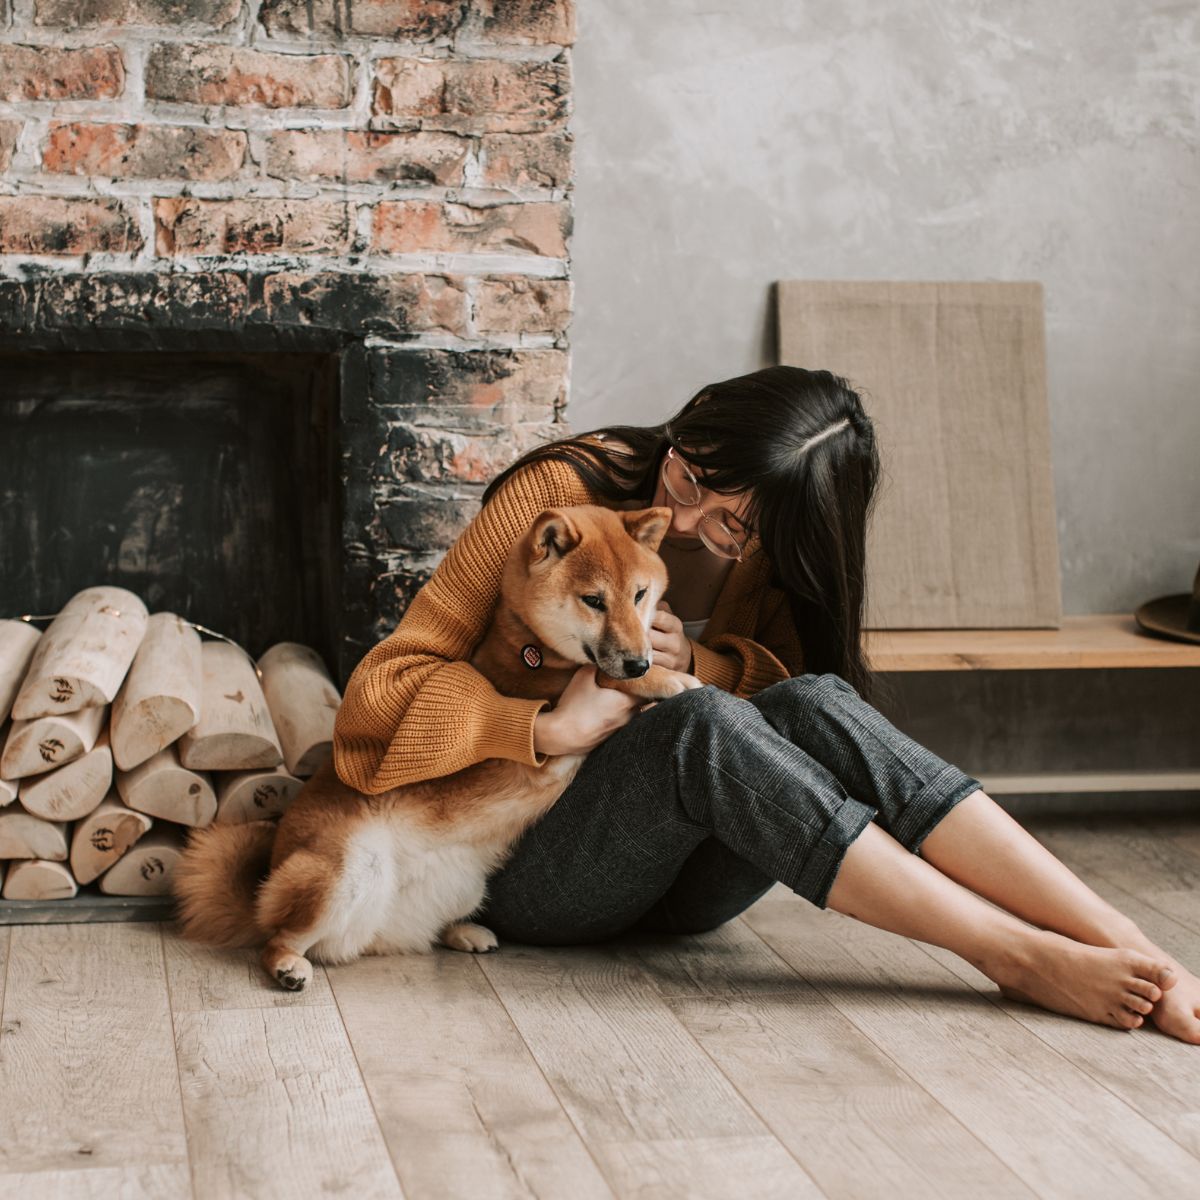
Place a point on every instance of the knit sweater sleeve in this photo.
(414, 708)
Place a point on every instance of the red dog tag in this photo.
(532, 657)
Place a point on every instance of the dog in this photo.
(347, 873)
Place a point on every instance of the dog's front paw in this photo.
(470, 938)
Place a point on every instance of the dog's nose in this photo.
(636, 667)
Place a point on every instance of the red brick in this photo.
(514, 160)
(9, 132)
(79, 14)
(352, 156)
(188, 226)
(535, 22)
(518, 304)
(232, 75)
(410, 302)
(144, 151)
(398, 20)
(65, 225)
(425, 226)
(44, 73)
(472, 95)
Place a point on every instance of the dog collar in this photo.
(531, 656)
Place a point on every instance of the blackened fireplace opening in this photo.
(206, 483)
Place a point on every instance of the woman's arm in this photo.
(413, 708)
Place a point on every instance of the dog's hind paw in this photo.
(293, 973)
(470, 938)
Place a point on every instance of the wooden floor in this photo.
(793, 1053)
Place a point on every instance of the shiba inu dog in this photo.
(349, 874)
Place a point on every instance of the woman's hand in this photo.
(670, 644)
(585, 715)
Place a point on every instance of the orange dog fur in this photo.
(349, 874)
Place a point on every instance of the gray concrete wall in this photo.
(726, 144)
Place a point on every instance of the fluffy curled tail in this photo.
(216, 880)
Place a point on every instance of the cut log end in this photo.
(36, 879)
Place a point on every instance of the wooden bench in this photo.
(1109, 641)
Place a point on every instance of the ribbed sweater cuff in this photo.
(721, 670)
(509, 730)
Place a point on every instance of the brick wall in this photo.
(413, 152)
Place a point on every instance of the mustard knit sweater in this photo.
(415, 709)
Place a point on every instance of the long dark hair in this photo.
(801, 444)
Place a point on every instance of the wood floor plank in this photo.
(275, 1106)
(463, 1106)
(1060, 1131)
(87, 1069)
(101, 1183)
(854, 1120)
(204, 979)
(643, 1095)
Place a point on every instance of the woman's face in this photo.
(686, 517)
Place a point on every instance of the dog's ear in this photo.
(552, 533)
(648, 525)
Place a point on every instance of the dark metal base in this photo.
(87, 908)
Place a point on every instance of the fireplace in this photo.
(281, 286)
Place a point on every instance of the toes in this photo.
(1137, 1004)
(1146, 989)
(1123, 1019)
(1153, 970)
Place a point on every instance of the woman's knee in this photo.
(804, 689)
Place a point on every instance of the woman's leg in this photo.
(974, 843)
(705, 763)
(982, 847)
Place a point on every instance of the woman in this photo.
(686, 813)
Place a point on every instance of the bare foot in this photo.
(1111, 987)
(1178, 1012)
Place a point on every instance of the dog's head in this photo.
(586, 581)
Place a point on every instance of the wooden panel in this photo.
(851, 1117)
(88, 1071)
(1086, 642)
(1062, 1133)
(954, 378)
(275, 1106)
(638, 1089)
(464, 1107)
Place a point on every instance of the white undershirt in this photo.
(694, 629)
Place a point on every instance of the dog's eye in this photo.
(596, 602)
(639, 597)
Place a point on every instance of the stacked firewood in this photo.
(120, 730)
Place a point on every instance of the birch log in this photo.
(234, 732)
(18, 640)
(303, 703)
(255, 795)
(103, 836)
(81, 659)
(146, 868)
(37, 879)
(22, 835)
(33, 747)
(73, 791)
(9, 788)
(160, 698)
(163, 788)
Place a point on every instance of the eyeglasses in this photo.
(684, 487)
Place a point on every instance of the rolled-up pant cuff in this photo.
(931, 804)
(825, 858)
